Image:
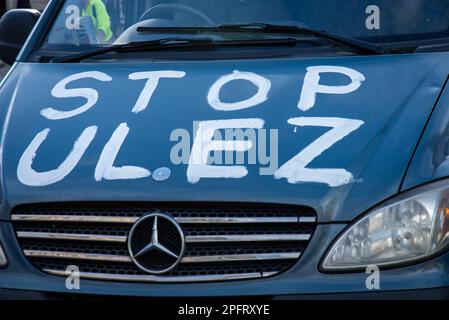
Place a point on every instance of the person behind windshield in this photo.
(96, 10)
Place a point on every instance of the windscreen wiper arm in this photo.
(360, 45)
(171, 43)
(292, 29)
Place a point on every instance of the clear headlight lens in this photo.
(412, 227)
(3, 260)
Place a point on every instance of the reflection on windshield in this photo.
(98, 22)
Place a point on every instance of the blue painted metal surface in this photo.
(395, 104)
(431, 160)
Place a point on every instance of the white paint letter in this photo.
(30, 177)
(263, 88)
(373, 20)
(312, 86)
(295, 170)
(105, 167)
(60, 91)
(152, 78)
(204, 144)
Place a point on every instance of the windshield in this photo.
(83, 24)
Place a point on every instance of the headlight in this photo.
(412, 227)
(3, 260)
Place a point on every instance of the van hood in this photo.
(388, 113)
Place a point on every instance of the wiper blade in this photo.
(130, 47)
(437, 47)
(172, 43)
(280, 29)
(293, 29)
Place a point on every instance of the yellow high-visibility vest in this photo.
(100, 17)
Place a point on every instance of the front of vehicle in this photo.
(228, 148)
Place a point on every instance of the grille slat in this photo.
(199, 259)
(248, 238)
(76, 256)
(242, 257)
(131, 220)
(162, 279)
(224, 241)
(69, 236)
(189, 239)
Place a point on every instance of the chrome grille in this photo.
(224, 241)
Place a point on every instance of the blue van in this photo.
(198, 148)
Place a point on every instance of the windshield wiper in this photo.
(360, 45)
(172, 43)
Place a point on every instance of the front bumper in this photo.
(428, 279)
(423, 294)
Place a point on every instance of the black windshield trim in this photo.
(250, 53)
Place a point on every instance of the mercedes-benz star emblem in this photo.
(156, 243)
